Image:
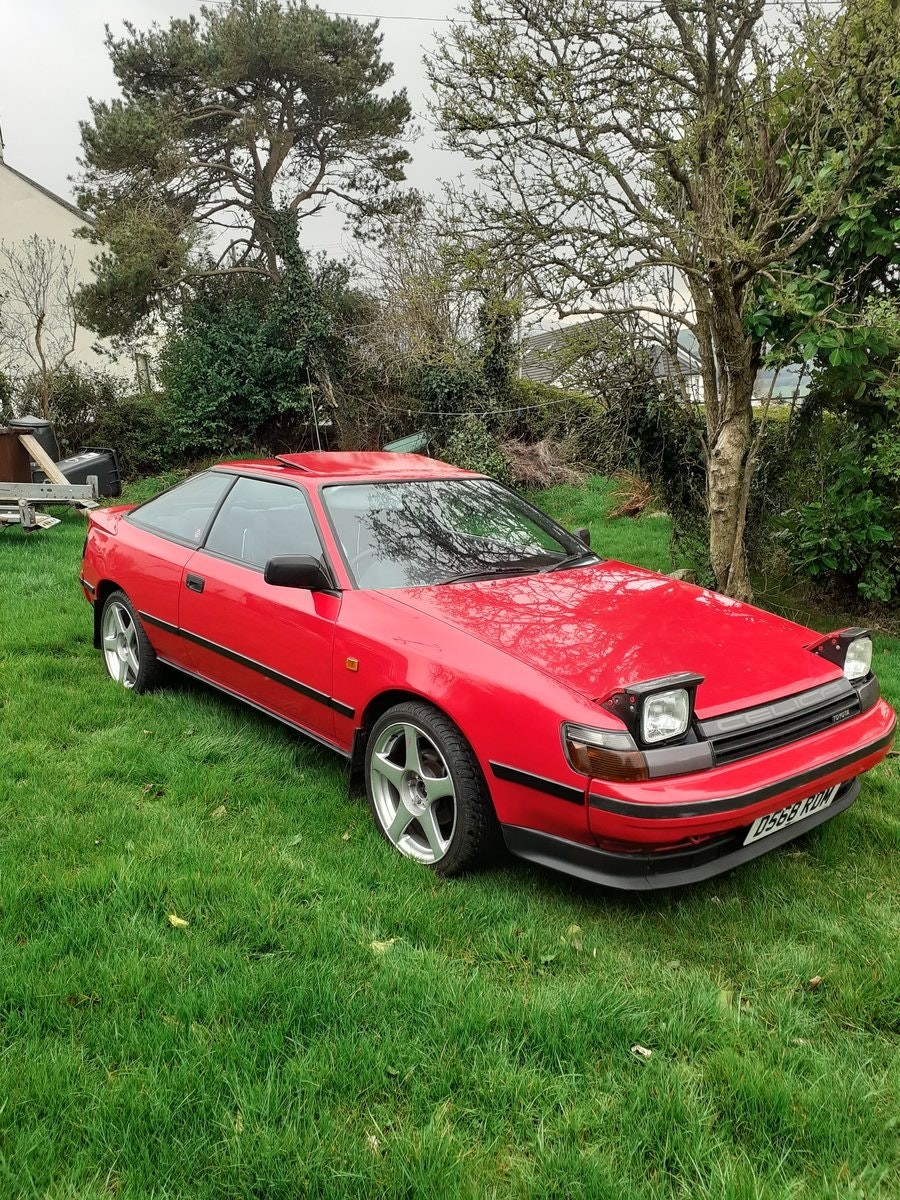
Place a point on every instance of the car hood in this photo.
(600, 628)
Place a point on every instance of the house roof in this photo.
(72, 208)
(540, 365)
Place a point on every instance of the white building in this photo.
(27, 209)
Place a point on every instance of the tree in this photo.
(231, 128)
(427, 306)
(836, 305)
(254, 364)
(38, 325)
(677, 149)
(438, 338)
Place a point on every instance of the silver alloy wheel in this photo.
(413, 792)
(121, 648)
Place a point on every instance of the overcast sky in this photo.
(52, 58)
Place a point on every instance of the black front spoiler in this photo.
(668, 868)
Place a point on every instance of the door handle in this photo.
(194, 583)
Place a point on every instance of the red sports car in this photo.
(488, 674)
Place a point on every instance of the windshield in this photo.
(427, 531)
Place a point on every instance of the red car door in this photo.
(270, 645)
(149, 556)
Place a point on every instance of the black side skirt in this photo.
(267, 712)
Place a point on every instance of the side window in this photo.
(260, 520)
(183, 512)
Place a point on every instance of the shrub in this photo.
(473, 446)
(90, 408)
(540, 464)
(6, 396)
(587, 428)
(231, 377)
(138, 428)
(631, 496)
(77, 398)
(841, 527)
(442, 393)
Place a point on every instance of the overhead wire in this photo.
(366, 16)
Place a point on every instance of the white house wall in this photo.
(25, 210)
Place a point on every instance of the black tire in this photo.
(475, 836)
(132, 638)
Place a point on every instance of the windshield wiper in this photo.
(496, 573)
(569, 561)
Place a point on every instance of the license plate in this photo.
(772, 822)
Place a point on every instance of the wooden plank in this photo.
(42, 458)
(49, 467)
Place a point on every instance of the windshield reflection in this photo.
(419, 532)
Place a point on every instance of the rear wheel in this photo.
(127, 653)
(426, 791)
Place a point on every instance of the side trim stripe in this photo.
(562, 791)
(664, 812)
(285, 680)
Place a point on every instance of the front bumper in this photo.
(660, 812)
(640, 872)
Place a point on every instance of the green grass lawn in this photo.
(333, 1021)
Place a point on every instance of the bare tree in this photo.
(425, 302)
(38, 323)
(687, 148)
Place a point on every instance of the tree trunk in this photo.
(730, 359)
(729, 473)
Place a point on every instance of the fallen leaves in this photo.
(177, 922)
(218, 813)
(814, 982)
(573, 938)
(382, 947)
(641, 1051)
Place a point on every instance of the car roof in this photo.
(349, 465)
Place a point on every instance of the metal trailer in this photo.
(19, 496)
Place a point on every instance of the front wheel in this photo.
(127, 653)
(426, 791)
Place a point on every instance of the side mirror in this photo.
(583, 535)
(298, 571)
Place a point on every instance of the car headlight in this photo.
(858, 659)
(849, 649)
(665, 715)
(656, 710)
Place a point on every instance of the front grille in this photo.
(756, 730)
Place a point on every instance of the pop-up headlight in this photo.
(656, 711)
(665, 715)
(858, 662)
(849, 649)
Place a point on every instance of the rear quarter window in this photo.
(183, 512)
